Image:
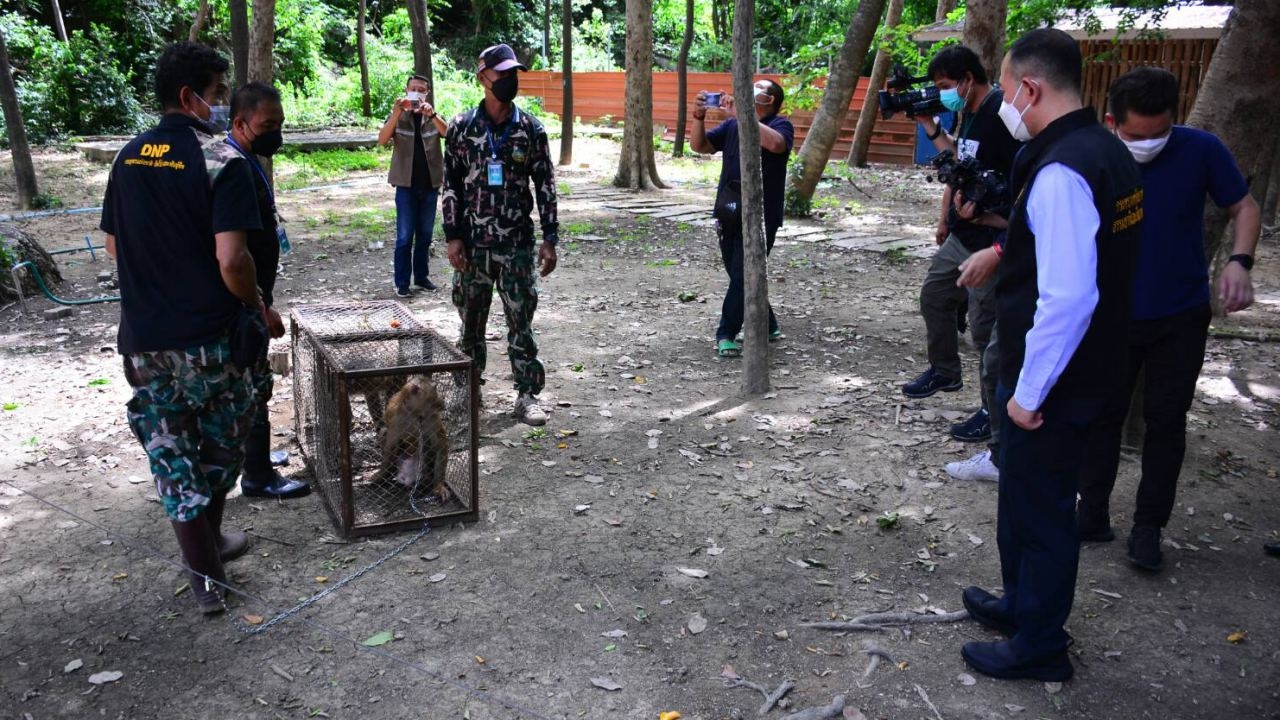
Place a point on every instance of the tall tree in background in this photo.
(984, 31)
(813, 156)
(1238, 102)
(546, 33)
(755, 327)
(239, 12)
(945, 7)
(23, 169)
(636, 166)
(422, 45)
(58, 24)
(262, 39)
(363, 57)
(197, 23)
(682, 79)
(566, 70)
(867, 118)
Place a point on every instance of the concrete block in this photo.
(106, 276)
(58, 313)
(279, 360)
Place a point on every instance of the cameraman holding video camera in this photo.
(963, 230)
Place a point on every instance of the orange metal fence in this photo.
(599, 95)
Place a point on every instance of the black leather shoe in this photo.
(1094, 528)
(985, 608)
(1272, 549)
(276, 486)
(998, 660)
(929, 383)
(975, 429)
(1144, 547)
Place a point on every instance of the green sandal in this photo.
(728, 349)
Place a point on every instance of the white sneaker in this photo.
(978, 467)
(529, 411)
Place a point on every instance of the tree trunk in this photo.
(870, 107)
(636, 166)
(262, 38)
(682, 80)
(365, 101)
(58, 24)
(755, 327)
(197, 23)
(984, 31)
(239, 12)
(421, 30)
(16, 246)
(566, 72)
(546, 33)
(812, 160)
(23, 170)
(944, 8)
(1238, 103)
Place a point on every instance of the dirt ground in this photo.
(776, 499)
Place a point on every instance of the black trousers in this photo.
(732, 309)
(1036, 527)
(1171, 351)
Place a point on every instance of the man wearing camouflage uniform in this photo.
(175, 215)
(491, 154)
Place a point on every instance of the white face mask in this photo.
(1012, 118)
(762, 95)
(1144, 151)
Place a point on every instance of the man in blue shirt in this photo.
(776, 138)
(1171, 310)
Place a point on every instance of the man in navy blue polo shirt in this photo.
(1171, 311)
(776, 138)
(175, 216)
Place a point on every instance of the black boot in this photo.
(200, 550)
(232, 544)
(259, 479)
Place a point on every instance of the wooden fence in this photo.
(599, 95)
(1104, 61)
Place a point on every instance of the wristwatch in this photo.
(1246, 261)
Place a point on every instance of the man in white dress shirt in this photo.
(1062, 298)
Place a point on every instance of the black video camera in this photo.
(986, 188)
(898, 98)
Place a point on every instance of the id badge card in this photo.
(495, 173)
(282, 237)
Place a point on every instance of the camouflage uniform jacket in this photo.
(484, 216)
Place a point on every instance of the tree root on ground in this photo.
(881, 621)
(875, 652)
(733, 680)
(834, 710)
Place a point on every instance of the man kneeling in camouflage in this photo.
(491, 154)
(191, 316)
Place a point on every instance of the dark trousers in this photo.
(1171, 351)
(415, 221)
(735, 297)
(1036, 528)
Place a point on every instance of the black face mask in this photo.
(506, 88)
(267, 143)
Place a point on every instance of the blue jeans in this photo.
(415, 220)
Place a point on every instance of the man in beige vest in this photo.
(417, 168)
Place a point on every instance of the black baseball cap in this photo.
(500, 57)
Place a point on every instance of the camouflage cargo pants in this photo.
(191, 410)
(511, 271)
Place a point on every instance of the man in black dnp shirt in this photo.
(175, 216)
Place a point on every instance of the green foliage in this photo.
(295, 169)
(72, 88)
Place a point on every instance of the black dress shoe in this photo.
(985, 608)
(1094, 528)
(275, 486)
(1144, 547)
(998, 660)
(1272, 549)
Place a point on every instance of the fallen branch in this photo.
(834, 710)
(925, 697)
(733, 680)
(880, 621)
(855, 187)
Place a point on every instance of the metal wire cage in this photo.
(386, 412)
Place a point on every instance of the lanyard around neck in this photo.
(253, 161)
(496, 146)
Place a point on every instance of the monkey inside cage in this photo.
(386, 412)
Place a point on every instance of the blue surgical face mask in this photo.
(952, 99)
(219, 116)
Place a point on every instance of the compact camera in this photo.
(986, 188)
(712, 99)
(898, 98)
